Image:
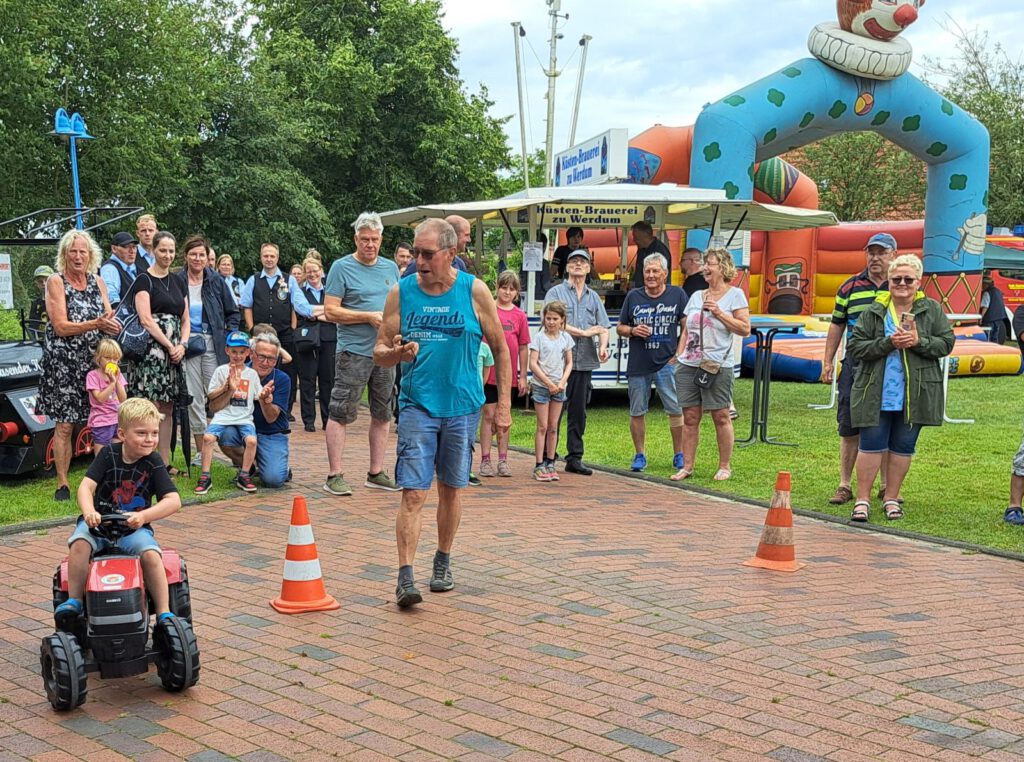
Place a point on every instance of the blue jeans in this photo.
(426, 445)
(892, 433)
(664, 381)
(135, 544)
(271, 455)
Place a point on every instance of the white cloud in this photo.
(660, 61)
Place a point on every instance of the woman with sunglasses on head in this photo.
(898, 342)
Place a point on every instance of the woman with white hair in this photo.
(79, 313)
(897, 342)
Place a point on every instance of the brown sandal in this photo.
(842, 495)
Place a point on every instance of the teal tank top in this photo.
(443, 380)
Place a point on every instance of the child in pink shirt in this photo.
(105, 385)
(517, 336)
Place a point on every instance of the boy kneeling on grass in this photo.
(123, 479)
(233, 390)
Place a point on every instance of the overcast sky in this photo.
(659, 61)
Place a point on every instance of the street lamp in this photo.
(72, 128)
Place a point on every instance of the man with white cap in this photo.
(853, 297)
(587, 320)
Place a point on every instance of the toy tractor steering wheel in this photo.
(112, 527)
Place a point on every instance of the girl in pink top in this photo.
(517, 336)
(105, 385)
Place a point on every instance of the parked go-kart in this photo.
(112, 635)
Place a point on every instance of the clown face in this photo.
(878, 19)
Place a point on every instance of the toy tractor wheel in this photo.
(63, 669)
(180, 597)
(59, 596)
(177, 657)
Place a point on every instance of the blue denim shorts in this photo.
(427, 445)
(891, 434)
(542, 396)
(136, 543)
(234, 431)
(664, 381)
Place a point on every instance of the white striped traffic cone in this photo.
(302, 588)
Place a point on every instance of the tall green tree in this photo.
(388, 120)
(862, 176)
(984, 80)
(145, 74)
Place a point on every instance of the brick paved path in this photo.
(592, 618)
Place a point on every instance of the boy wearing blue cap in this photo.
(233, 391)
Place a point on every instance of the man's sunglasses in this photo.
(427, 254)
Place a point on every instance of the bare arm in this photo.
(57, 310)
(832, 342)
(344, 316)
(390, 348)
(86, 502)
(487, 313)
(538, 374)
(247, 317)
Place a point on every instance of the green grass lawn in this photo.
(31, 499)
(957, 487)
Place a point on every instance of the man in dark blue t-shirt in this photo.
(651, 317)
(270, 416)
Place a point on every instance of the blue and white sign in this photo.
(600, 159)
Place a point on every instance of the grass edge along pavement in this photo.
(957, 488)
(17, 514)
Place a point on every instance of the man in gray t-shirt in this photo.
(587, 320)
(357, 287)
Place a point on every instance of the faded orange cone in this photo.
(302, 588)
(776, 550)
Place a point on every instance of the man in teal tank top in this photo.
(433, 324)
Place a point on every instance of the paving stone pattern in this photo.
(592, 618)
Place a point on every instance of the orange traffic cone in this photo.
(302, 588)
(776, 550)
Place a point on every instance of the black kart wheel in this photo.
(63, 670)
(59, 596)
(180, 596)
(177, 657)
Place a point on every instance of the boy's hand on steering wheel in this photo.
(92, 520)
(134, 520)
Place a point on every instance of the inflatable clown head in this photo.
(877, 19)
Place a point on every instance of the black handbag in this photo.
(195, 347)
(133, 337)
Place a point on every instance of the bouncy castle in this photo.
(857, 80)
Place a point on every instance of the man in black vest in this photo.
(267, 298)
(123, 267)
(993, 310)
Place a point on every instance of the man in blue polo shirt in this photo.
(853, 297)
(270, 416)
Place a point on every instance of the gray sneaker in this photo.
(382, 481)
(503, 468)
(337, 485)
(486, 469)
(441, 579)
(407, 595)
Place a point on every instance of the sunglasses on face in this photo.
(427, 254)
(900, 279)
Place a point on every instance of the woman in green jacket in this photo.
(898, 342)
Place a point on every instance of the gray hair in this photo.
(658, 259)
(369, 220)
(266, 338)
(447, 238)
(66, 240)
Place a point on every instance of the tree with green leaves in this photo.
(985, 81)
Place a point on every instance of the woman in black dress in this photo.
(162, 304)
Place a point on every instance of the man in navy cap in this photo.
(853, 297)
(123, 267)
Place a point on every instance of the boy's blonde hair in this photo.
(108, 348)
(137, 410)
(261, 328)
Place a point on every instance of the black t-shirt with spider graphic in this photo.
(127, 487)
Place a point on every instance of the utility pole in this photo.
(584, 43)
(518, 32)
(552, 73)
